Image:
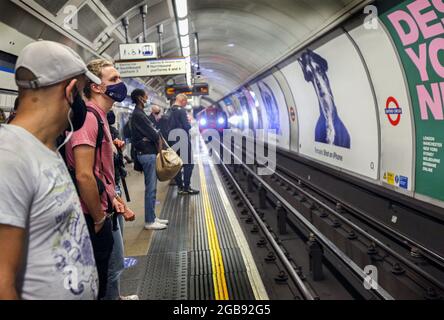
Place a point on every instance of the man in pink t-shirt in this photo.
(103, 167)
(93, 166)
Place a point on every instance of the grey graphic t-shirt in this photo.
(37, 194)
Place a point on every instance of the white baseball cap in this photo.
(51, 63)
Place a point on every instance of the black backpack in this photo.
(127, 134)
(167, 123)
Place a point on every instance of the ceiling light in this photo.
(183, 27)
(185, 41)
(182, 8)
(231, 45)
(186, 52)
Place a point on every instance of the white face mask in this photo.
(70, 133)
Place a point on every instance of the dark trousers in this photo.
(183, 178)
(102, 243)
(186, 172)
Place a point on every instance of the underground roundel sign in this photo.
(393, 111)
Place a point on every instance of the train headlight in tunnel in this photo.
(221, 121)
(203, 122)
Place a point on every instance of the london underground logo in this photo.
(393, 111)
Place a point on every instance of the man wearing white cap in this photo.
(45, 247)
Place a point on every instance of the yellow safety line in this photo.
(217, 264)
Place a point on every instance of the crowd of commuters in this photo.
(62, 211)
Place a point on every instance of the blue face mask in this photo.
(117, 92)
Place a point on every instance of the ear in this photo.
(69, 90)
(97, 88)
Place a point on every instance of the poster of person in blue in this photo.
(330, 129)
(271, 107)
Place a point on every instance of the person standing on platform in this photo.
(45, 247)
(90, 155)
(145, 139)
(155, 116)
(179, 120)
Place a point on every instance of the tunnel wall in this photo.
(355, 100)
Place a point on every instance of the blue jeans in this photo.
(116, 263)
(148, 162)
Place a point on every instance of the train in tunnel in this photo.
(212, 118)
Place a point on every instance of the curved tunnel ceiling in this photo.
(238, 38)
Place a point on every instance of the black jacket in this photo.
(144, 135)
(179, 119)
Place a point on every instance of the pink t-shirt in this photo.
(87, 135)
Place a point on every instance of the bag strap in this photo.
(99, 143)
(100, 134)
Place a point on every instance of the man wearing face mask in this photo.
(155, 116)
(45, 246)
(90, 155)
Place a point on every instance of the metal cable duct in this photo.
(160, 33)
(144, 13)
(125, 23)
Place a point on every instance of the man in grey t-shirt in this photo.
(45, 246)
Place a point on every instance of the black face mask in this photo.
(78, 111)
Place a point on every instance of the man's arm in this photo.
(11, 254)
(146, 128)
(86, 181)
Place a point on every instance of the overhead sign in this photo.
(151, 68)
(197, 90)
(137, 51)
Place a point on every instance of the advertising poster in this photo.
(417, 30)
(274, 105)
(338, 116)
(271, 107)
(254, 105)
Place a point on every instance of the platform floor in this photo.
(203, 255)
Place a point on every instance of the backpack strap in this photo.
(99, 142)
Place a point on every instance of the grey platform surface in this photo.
(178, 264)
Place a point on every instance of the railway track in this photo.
(352, 243)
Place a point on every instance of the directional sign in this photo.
(201, 89)
(136, 51)
(151, 68)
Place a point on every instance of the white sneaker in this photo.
(162, 221)
(133, 297)
(155, 226)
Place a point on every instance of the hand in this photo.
(118, 206)
(119, 143)
(129, 215)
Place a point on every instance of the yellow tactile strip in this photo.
(217, 264)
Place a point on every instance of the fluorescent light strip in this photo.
(185, 41)
(186, 52)
(182, 8)
(183, 27)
